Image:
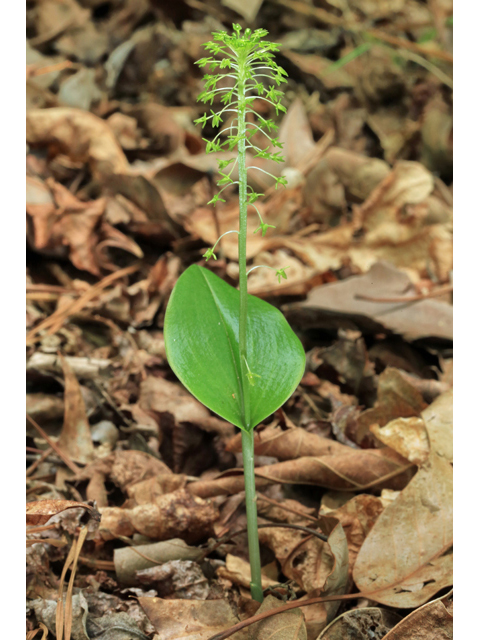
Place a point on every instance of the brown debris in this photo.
(178, 513)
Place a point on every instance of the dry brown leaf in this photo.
(124, 468)
(352, 470)
(433, 621)
(75, 438)
(396, 398)
(296, 134)
(419, 251)
(177, 514)
(160, 125)
(393, 129)
(339, 173)
(316, 566)
(404, 222)
(175, 579)
(238, 571)
(407, 436)
(69, 229)
(161, 396)
(401, 563)
(289, 625)
(360, 624)
(342, 301)
(129, 560)
(288, 444)
(323, 252)
(81, 135)
(357, 517)
(40, 512)
(407, 184)
(148, 491)
(61, 225)
(438, 419)
(190, 619)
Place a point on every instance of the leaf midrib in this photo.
(232, 353)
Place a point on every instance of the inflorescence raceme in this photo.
(248, 61)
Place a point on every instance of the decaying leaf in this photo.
(129, 560)
(357, 516)
(123, 468)
(433, 621)
(41, 511)
(351, 470)
(288, 444)
(404, 560)
(80, 134)
(361, 624)
(189, 619)
(317, 567)
(46, 610)
(160, 396)
(414, 320)
(396, 397)
(182, 579)
(289, 625)
(75, 437)
(238, 571)
(438, 418)
(407, 436)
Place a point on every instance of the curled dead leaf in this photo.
(288, 444)
(352, 470)
(81, 135)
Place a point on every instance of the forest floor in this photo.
(118, 183)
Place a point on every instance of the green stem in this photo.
(247, 432)
(242, 250)
(252, 524)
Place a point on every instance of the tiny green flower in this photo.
(264, 226)
(281, 273)
(216, 198)
(209, 254)
(280, 180)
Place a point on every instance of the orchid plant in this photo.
(234, 352)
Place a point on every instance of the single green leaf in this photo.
(201, 341)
